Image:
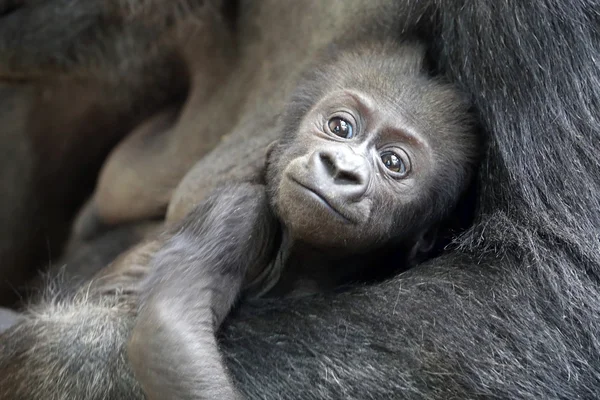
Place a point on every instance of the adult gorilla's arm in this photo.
(514, 312)
(424, 335)
(100, 34)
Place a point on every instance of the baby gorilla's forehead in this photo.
(435, 110)
(418, 105)
(412, 96)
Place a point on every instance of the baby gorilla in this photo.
(374, 153)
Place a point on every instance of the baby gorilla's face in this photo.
(353, 174)
(372, 149)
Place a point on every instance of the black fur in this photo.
(510, 312)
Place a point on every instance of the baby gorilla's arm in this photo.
(196, 277)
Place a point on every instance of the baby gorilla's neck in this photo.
(307, 270)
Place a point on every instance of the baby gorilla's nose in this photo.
(341, 171)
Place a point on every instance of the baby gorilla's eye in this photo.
(340, 127)
(394, 163)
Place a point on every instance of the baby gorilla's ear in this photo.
(423, 245)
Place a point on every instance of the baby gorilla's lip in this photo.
(319, 197)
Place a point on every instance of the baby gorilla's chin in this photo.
(312, 218)
(323, 233)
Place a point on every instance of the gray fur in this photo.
(511, 312)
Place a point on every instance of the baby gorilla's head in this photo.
(373, 149)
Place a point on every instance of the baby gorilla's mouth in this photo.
(315, 194)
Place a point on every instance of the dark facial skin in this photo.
(360, 162)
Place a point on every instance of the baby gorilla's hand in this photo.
(194, 280)
(233, 226)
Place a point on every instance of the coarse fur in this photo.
(329, 208)
(510, 312)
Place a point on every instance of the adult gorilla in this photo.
(511, 312)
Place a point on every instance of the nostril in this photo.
(340, 175)
(328, 162)
(343, 169)
(347, 178)
(343, 173)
